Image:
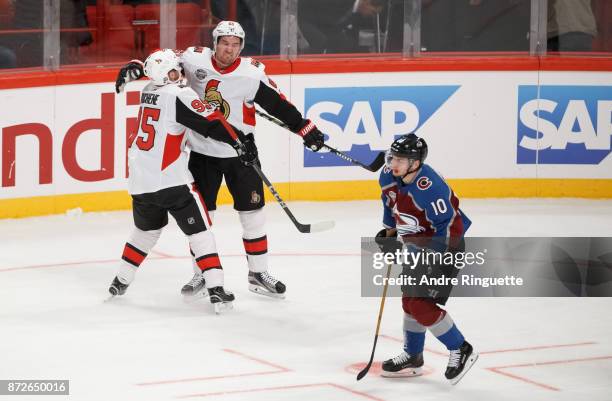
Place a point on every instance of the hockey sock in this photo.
(206, 257)
(135, 251)
(194, 264)
(414, 335)
(255, 240)
(447, 332)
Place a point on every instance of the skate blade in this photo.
(190, 298)
(258, 290)
(109, 299)
(408, 372)
(222, 307)
(468, 365)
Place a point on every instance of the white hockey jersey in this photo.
(232, 90)
(157, 158)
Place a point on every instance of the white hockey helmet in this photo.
(228, 28)
(159, 64)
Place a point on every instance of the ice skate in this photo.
(459, 362)
(195, 288)
(220, 299)
(265, 284)
(117, 288)
(403, 365)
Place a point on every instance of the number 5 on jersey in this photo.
(144, 114)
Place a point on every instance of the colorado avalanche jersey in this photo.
(157, 158)
(425, 207)
(232, 90)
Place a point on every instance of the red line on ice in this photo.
(279, 369)
(497, 369)
(103, 261)
(359, 393)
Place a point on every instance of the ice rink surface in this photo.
(151, 345)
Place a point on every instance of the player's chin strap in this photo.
(408, 172)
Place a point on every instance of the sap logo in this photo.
(362, 121)
(564, 124)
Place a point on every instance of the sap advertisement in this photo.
(560, 124)
(71, 139)
(362, 121)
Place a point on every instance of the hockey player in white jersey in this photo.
(234, 84)
(159, 180)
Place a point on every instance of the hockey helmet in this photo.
(159, 64)
(228, 28)
(409, 146)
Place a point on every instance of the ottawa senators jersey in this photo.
(157, 158)
(232, 90)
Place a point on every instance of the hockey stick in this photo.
(378, 162)
(303, 228)
(365, 370)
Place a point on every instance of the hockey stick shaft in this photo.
(365, 370)
(303, 228)
(374, 166)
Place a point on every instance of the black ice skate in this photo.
(265, 284)
(195, 287)
(403, 365)
(220, 299)
(459, 362)
(117, 287)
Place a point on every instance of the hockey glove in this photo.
(247, 151)
(132, 71)
(387, 244)
(313, 138)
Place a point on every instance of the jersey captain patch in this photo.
(215, 98)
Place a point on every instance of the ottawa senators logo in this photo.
(215, 99)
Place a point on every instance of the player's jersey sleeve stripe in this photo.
(190, 119)
(248, 114)
(172, 149)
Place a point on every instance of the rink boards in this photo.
(512, 131)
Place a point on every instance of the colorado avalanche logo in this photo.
(407, 224)
(423, 183)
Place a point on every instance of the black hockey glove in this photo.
(132, 71)
(247, 151)
(387, 244)
(313, 138)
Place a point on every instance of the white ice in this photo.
(150, 345)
